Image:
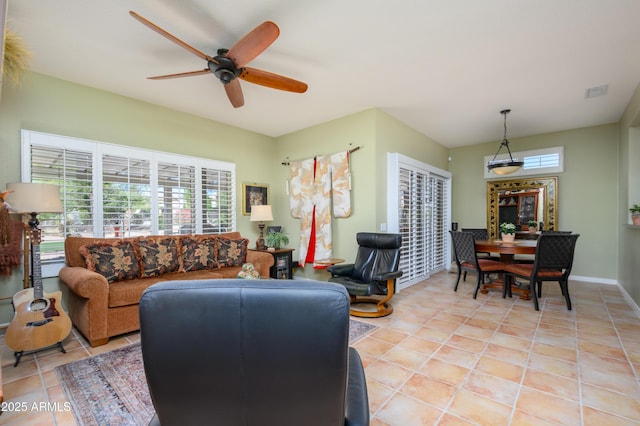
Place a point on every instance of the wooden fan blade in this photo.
(275, 81)
(181, 74)
(234, 93)
(171, 37)
(253, 43)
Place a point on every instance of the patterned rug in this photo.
(111, 388)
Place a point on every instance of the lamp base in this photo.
(260, 245)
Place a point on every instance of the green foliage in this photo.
(532, 224)
(635, 208)
(507, 228)
(276, 239)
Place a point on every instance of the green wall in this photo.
(593, 191)
(51, 105)
(587, 191)
(376, 133)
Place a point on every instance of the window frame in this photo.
(522, 155)
(434, 240)
(97, 149)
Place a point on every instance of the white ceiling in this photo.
(445, 68)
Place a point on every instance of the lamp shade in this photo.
(261, 213)
(34, 198)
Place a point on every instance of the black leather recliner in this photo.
(374, 272)
(251, 352)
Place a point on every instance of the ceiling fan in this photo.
(229, 64)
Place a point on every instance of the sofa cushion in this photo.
(232, 252)
(116, 261)
(198, 253)
(158, 255)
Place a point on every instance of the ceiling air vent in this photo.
(594, 92)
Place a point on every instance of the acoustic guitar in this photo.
(39, 320)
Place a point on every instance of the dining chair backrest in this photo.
(464, 247)
(478, 233)
(555, 251)
(555, 232)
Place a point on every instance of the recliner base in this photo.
(383, 308)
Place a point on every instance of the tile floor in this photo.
(443, 358)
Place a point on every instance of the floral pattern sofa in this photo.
(106, 276)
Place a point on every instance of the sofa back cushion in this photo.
(232, 252)
(116, 261)
(198, 253)
(158, 255)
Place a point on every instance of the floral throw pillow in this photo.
(158, 256)
(198, 254)
(115, 261)
(232, 252)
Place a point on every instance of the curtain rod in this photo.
(351, 151)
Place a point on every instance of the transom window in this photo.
(536, 162)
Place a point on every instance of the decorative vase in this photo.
(533, 229)
(508, 238)
(635, 218)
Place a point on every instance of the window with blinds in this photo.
(536, 162)
(118, 191)
(126, 196)
(419, 210)
(72, 171)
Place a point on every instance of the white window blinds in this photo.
(118, 191)
(419, 200)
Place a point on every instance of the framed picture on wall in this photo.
(254, 194)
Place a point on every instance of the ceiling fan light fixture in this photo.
(506, 166)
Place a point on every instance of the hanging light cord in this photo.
(505, 141)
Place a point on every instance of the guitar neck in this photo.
(36, 267)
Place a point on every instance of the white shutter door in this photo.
(422, 200)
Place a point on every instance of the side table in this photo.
(282, 268)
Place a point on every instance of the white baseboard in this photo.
(630, 300)
(593, 280)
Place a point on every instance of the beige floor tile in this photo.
(500, 368)
(429, 390)
(479, 409)
(444, 371)
(553, 384)
(406, 411)
(444, 358)
(548, 406)
(610, 401)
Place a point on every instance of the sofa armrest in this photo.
(262, 261)
(344, 270)
(88, 302)
(85, 283)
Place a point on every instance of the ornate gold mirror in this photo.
(533, 199)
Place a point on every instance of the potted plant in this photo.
(508, 231)
(533, 226)
(276, 239)
(635, 214)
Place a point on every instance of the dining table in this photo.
(507, 251)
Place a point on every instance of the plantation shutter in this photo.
(71, 170)
(176, 199)
(419, 202)
(217, 201)
(126, 196)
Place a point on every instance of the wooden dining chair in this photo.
(464, 250)
(553, 262)
(480, 234)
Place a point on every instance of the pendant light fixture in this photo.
(506, 166)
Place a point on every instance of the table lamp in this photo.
(261, 214)
(34, 198)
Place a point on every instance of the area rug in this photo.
(111, 388)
